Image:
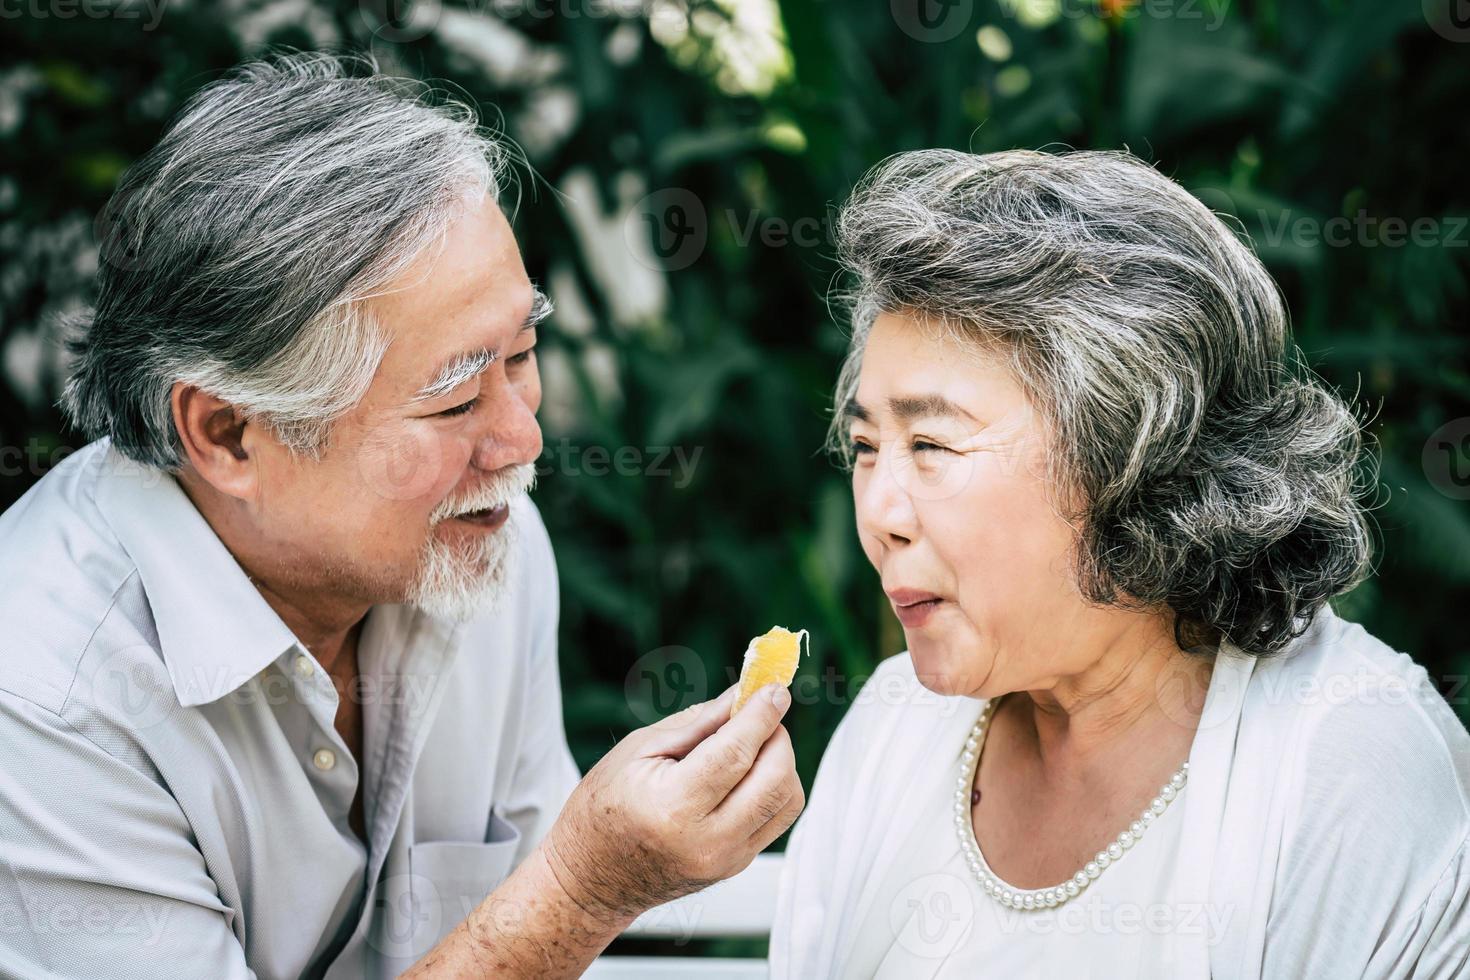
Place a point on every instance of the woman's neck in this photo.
(1134, 692)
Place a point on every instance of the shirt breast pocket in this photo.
(450, 878)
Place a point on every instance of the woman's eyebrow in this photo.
(906, 408)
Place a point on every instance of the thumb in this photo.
(678, 734)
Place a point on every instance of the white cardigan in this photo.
(1328, 809)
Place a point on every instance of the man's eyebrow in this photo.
(455, 372)
(906, 408)
(466, 364)
(540, 309)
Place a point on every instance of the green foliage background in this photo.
(1273, 112)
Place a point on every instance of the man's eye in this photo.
(461, 408)
(522, 357)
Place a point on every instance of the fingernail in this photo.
(780, 697)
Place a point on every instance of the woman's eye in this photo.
(919, 446)
(460, 409)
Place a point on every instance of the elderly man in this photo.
(280, 697)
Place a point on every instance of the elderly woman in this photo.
(1129, 737)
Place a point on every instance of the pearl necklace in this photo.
(1042, 898)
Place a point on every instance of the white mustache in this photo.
(500, 490)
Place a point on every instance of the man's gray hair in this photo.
(238, 253)
(1202, 472)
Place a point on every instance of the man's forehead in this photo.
(469, 294)
(426, 349)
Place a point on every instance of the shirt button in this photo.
(324, 759)
(303, 665)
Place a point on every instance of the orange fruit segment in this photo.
(769, 659)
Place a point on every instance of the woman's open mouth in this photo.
(913, 608)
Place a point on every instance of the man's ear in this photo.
(214, 440)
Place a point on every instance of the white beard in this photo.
(459, 583)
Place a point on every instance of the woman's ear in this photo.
(213, 434)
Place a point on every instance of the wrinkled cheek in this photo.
(406, 465)
(944, 480)
(870, 550)
(531, 392)
(866, 541)
(873, 551)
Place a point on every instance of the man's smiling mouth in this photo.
(490, 518)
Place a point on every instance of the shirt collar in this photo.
(215, 629)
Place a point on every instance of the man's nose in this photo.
(508, 433)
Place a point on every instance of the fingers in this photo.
(781, 822)
(720, 761)
(764, 792)
(680, 732)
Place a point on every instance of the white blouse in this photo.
(1322, 833)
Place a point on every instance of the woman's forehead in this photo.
(910, 369)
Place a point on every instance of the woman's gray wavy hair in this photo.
(1203, 473)
(238, 253)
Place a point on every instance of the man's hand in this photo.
(677, 806)
(672, 808)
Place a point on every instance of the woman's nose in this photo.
(884, 508)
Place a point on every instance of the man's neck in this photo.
(325, 624)
(327, 640)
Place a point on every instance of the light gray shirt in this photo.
(174, 795)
